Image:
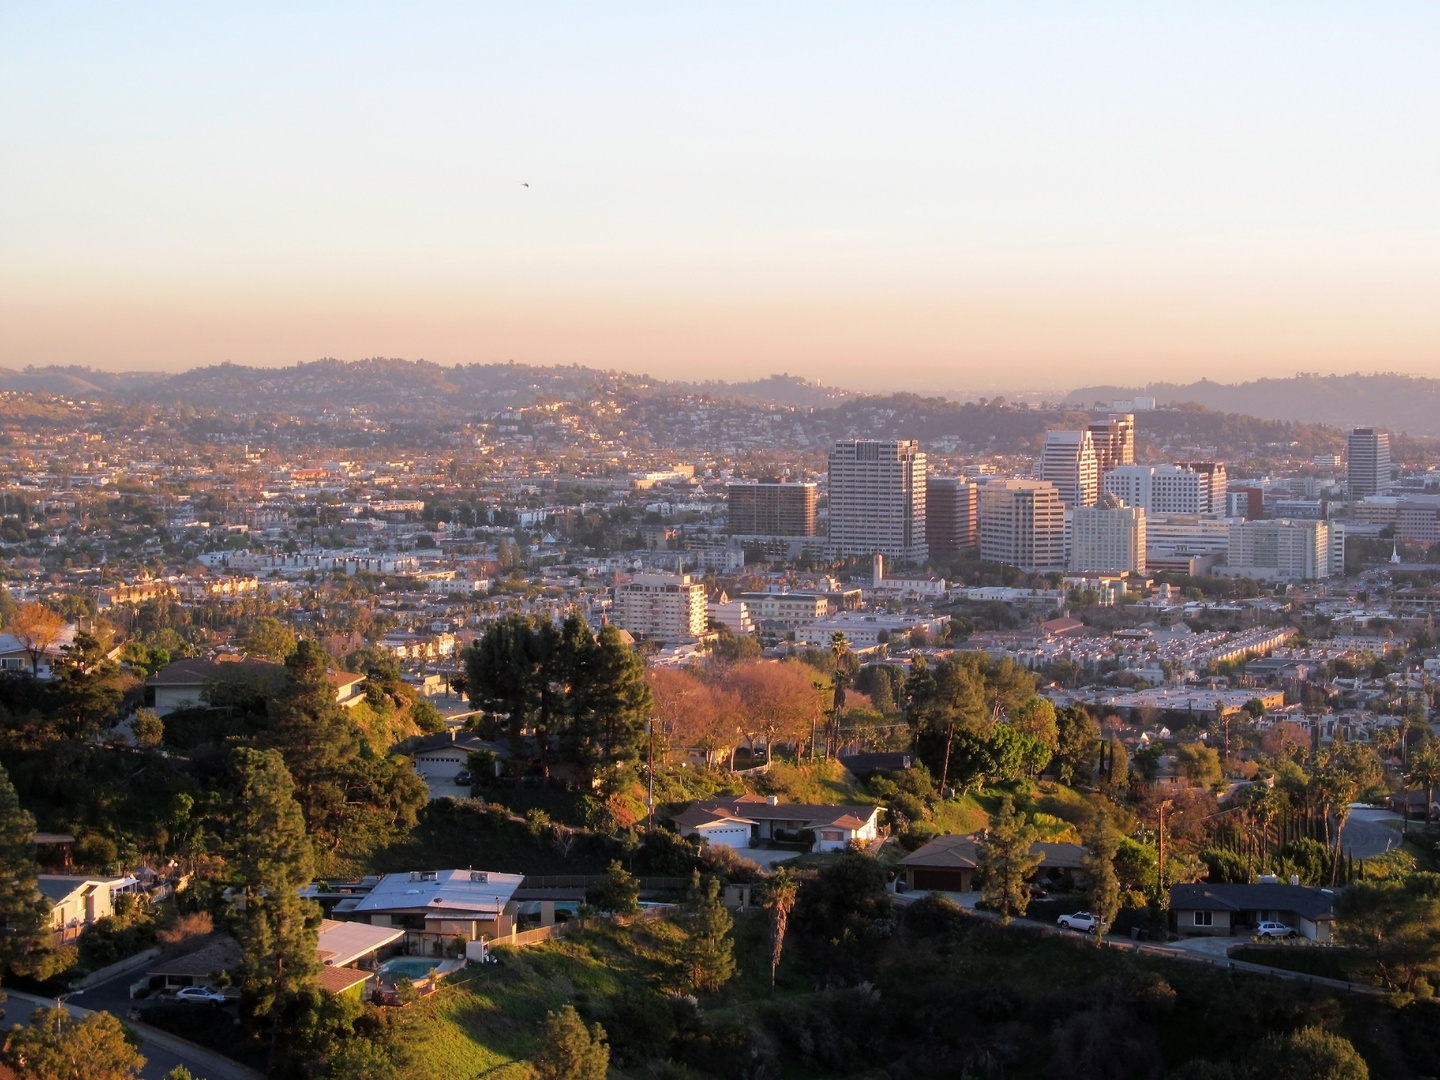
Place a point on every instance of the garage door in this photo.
(943, 880)
(735, 838)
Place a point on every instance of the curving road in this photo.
(1366, 835)
(162, 1050)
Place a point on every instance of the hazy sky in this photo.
(957, 195)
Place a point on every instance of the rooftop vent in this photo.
(480, 876)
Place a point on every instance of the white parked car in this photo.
(200, 995)
(1274, 929)
(1081, 920)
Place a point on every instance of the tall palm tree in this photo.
(1424, 771)
(780, 894)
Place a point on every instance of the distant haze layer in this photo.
(881, 196)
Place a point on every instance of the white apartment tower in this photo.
(877, 499)
(1369, 463)
(1022, 523)
(663, 607)
(1069, 462)
(1107, 538)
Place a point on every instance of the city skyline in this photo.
(1042, 198)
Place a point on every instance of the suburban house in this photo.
(77, 901)
(15, 657)
(745, 821)
(434, 907)
(948, 864)
(443, 756)
(348, 953)
(220, 954)
(1222, 910)
(181, 684)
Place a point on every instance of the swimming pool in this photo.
(413, 968)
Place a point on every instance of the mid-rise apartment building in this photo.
(1022, 523)
(785, 610)
(772, 508)
(1369, 463)
(1068, 462)
(952, 507)
(1279, 550)
(1107, 538)
(877, 499)
(663, 607)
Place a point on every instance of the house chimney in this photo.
(1294, 879)
(773, 800)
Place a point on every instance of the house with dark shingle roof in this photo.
(948, 863)
(1222, 910)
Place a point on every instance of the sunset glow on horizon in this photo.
(918, 197)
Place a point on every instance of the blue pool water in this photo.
(413, 968)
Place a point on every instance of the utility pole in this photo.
(650, 797)
(1161, 844)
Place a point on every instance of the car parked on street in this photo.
(200, 995)
(1080, 920)
(1274, 930)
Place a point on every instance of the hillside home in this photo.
(181, 684)
(746, 821)
(948, 864)
(1223, 910)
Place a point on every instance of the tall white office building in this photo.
(1369, 463)
(877, 499)
(1070, 463)
(1022, 523)
(1107, 538)
(1278, 550)
(1170, 489)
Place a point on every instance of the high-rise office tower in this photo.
(1196, 487)
(772, 508)
(1114, 442)
(1369, 467)
(951, 509)
(1108, 538)
(1068, 461)
(1022, 523)
(1214, 483)
(877, 499)
(1279, 549)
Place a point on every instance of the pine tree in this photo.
(612, 700)
(22, 909)
(1006, 860)
(617, 891)
(313, 734)
(567, 1051)
(271, 856)
(706, 955)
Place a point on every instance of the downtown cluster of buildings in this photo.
(1088, 508)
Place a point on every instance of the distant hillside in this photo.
(1401, 403)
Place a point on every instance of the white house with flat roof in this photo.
(441, 905)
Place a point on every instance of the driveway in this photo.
(1371, 831)
(162, 1050)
